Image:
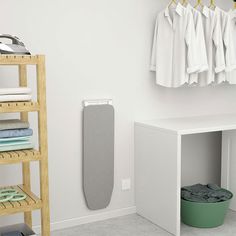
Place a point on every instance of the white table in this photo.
(158, 161)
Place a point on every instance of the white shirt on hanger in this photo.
(229, 52)
(174, 47)
(201, 44)
(231, 76)
(214, 46)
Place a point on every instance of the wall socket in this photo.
(126, 184)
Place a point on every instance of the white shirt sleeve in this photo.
(190, 39)
(218, 41)
(202, 45)
(153, 65)
(230, 58)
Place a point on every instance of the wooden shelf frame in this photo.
(20, 59)
(32, 202)
(26, 156)
(12, 107)
(20, 156)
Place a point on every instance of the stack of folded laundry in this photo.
(15, 135)
(15, 94)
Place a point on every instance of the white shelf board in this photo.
(193, 125)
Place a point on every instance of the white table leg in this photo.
(228, 171)
(158, 176)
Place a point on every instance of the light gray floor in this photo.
(134, 225)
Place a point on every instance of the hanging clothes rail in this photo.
(209, 41)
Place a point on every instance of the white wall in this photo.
(98, 49)
(201, 158)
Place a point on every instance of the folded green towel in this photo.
(7, 140)
(17, 147)
(15, 143)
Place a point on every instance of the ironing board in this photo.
(98, 155)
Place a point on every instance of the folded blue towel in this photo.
(15, 133)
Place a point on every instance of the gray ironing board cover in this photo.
(98, 155)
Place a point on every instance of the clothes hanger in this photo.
(184, 2)
(199, 4)
(173, 2)
(212, 4)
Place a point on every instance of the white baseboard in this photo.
(88, 219)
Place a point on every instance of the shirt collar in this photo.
(179, 9)
(206, 11)
(167, 13)
(232, 13)
(218, 10)
(189, 7)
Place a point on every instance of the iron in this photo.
(16, 47)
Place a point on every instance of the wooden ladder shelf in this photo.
(32, 202)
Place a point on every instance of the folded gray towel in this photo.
(210, 193)
(13, 124)
(15, 233)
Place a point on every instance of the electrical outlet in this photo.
(126, 184)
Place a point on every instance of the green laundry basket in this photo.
(204, 215)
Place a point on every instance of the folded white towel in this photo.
(15, 98)
(14, 91)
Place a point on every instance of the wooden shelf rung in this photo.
(28, 200)
(11, 107)
(2, 206)
(19, 59)
(19, 156)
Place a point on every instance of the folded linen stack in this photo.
(15, 94)
(15, 135)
